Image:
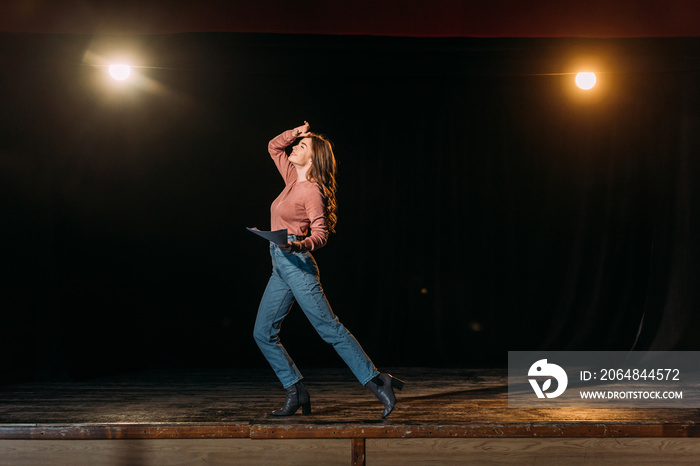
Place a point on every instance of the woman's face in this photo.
(301, 153)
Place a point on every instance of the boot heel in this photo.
(306, 408)
(396, 383)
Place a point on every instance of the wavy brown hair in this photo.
(323, 170)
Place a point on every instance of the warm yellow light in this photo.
(119, 72)
(585, 80)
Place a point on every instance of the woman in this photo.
(307, 209)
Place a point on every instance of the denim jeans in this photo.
(295, 278)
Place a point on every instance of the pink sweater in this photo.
(299, 208)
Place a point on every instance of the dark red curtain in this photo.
(417, 18)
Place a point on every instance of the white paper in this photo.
(277, 236)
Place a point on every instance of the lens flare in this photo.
(585, 80)
(119, 72)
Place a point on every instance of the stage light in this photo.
(119, 72)
(585, 80)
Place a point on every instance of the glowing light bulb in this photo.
(585, 80)
(119, 72)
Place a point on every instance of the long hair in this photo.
(323, 170)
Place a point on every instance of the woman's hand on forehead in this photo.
(302, 131)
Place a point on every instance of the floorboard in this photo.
(236, 403)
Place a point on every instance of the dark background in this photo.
(486, 205)
(404, 18)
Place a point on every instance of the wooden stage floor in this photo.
(234, 404)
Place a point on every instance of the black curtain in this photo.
(485, 204)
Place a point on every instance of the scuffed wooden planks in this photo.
(235, 403)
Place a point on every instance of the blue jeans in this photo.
(295, 278)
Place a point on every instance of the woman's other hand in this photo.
(301, 131)
(293, 246)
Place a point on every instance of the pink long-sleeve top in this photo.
(300, 206)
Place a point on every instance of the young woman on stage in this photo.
(307, 209)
